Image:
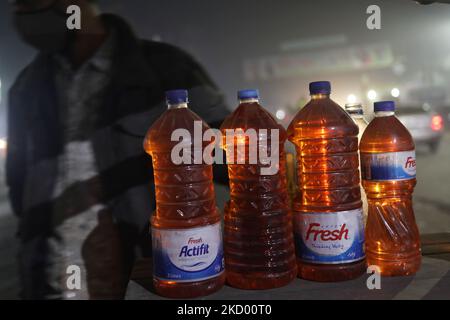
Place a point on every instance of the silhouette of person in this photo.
(78, 177)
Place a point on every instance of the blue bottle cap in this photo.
(248, 94)
(384, 106)
(320, 87)
(176, 96)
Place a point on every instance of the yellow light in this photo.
(379, 247)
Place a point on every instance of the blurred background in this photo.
(279, 47)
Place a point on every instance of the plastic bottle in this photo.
(186, 227)
(258, 239)
(328, 227)
(356, 112)
(389, 176)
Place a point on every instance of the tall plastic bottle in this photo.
(388, 165)
(186, 227)
(356, 112)
(328, 227)
(258, 240)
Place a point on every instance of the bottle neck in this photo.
(177, 106)
(250, 100)
(318, 96)
(380, 114)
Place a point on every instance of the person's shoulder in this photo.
(20, 81)
(161, 48)
(25, 76)
(164, 53)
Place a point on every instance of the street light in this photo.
(280, 114)
(371, 94)
(351, 98)
(395, 92)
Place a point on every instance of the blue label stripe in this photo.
(164, 269)
(388, 173)
(354, 253)
(193, 265)
(388, 166)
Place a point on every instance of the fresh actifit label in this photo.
(330, 238)
(388, 166)
(186, 255)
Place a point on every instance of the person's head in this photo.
(43, 23)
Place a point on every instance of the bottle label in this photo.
(388, 166)
(330, 238)
(186, 255)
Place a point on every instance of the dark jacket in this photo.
(142, 72)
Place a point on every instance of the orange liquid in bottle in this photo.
(329, 229)
(186, 231)
(258, 240)
(388, 170)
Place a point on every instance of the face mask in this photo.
(45, 29)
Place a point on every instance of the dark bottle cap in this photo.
(176, 96)
(384, 106)
(248, 94)
(320, 87)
